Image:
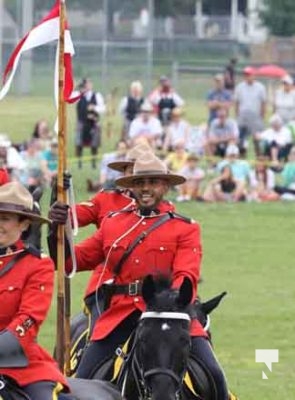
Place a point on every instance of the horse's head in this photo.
(163, 339)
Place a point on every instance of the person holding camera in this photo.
(90, 107)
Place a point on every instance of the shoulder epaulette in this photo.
(123, 210)
(182, 218)
(33, 250)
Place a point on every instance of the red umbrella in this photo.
(270, 71)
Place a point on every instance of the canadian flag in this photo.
(45, 32)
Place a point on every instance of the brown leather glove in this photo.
(58, 213)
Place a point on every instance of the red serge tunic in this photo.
(25, 298)
(93, 211)
(173, 248)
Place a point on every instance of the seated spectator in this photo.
(190, 190)
(197, 139)
(287, 188)
(222, 131)
(176, 160)
(275, 141)
(32, 175)
(130, 106)
(240, 168)
(177, 130)
(225, 188)
(49, 162)
(262, 182)
(284, 100)
(10, 157)
(43, 133)
(146, 126)
(108, 175)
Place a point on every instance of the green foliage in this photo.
(279, 17)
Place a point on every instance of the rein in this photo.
(140, 375)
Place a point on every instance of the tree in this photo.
(279, 17)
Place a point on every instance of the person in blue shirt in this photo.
(218, 97)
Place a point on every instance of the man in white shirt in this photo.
(250, 107)
(90, 107)
(146, 126)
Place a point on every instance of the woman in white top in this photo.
(178, 130)
(284, 101)
(262, 182)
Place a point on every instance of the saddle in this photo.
(10, 390)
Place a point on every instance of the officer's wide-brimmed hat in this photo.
(149, 166)
(16, 199)
(131, 156)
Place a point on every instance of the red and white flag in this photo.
(45, 32)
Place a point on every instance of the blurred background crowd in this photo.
(243, 151)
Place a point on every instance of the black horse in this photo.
(159, 353)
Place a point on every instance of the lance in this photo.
(63, 284)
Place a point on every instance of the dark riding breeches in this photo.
(98, 351)
(202, 350)
(45, 390)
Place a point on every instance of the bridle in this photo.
(140, 375)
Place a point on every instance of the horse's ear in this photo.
(148, 289)
(210, 305)
(185, 293)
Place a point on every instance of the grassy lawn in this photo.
(248, 251)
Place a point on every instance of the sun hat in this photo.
(287, 79)
(275, 119)
(176, 112)
(4, 140)
(149, 166)
(146, 107)
(16, 199)
(232, 150)
(130, 158)
(219, 77)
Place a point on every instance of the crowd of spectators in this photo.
(34, 162)
(243, 151)
(237, 154)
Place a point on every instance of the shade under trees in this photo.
(279, 17)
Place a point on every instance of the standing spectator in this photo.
(262, 182)
(164, 99)
(284, 101)
(222, 131)
(190, 190)
(90, 107)
(146, 126)
(230, 74)
(218, 97)
(240, 168)
(43, 134)
(225, 188)
(250, 107)
(276, 140)
(177, 130)
(49, 164)
(130, 106)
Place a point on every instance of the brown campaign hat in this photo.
(131, 156)
(16, 199)
(149, 166)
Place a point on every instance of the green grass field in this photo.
(248, 251)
